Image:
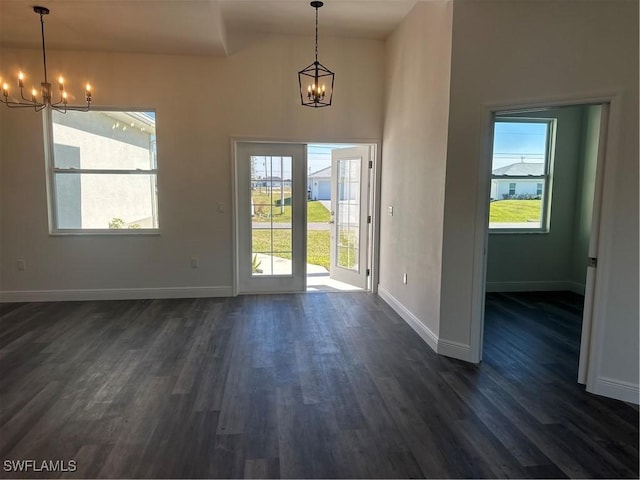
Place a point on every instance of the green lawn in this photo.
(316, 212)
(317, 245)
(317, 240)
(514, 211)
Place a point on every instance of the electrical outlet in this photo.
(220, 207)
(404, 278)
(21, 264)
(195, 262)
(390, 210)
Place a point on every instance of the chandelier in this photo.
(316, 80)
(46, 91)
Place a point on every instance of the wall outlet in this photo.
(404, 278)
(195, 262)
(221, 207)
(21, 264)
(390, 210)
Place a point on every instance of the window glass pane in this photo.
(105, 140)
(105, 201)
(519, 174)
(98, 142)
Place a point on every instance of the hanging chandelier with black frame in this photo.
(316, 80)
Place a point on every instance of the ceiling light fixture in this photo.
(316, 80)
(46, 91)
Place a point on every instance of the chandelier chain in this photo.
(44, 52)
(316, 34)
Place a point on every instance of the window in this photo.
(103, 171)
(520, 174)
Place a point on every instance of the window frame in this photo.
(52, 170)
(546, 178)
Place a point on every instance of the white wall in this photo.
(414, 155)
(533, 51)
(200, 102)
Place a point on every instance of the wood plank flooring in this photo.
(324, 385)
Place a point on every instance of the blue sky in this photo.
(514, 140)
(318, 157)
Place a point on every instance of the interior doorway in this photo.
(544, 203)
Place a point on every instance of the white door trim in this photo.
(605, 230)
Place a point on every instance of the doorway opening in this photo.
(304, 217)
(543, 224)
(339, 210)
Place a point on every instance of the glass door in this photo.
(271, 212)
(349, 214)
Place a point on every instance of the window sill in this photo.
(105, 232)
(517, 231)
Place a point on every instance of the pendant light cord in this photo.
(316, 34)
(44, 53)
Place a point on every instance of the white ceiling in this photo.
(190, 27)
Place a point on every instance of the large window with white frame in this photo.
(520, 197)
(103, 171)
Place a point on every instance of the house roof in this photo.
(520, 169)
(324, 173)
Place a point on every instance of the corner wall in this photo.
(413, 165)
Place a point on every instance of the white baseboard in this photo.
(414, 322)
(540, 286)
(442, 347)
(618, 389)
(113, 294)
(457, 350)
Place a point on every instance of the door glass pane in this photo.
(348, 214)
(271, 211)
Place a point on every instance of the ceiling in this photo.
(188, 27)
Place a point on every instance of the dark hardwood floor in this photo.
(306, 386)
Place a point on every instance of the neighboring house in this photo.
(320, 184)
(272, 182)
(505, 186)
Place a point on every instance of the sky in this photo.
(516, 141)
(318, 157)
(512, 142)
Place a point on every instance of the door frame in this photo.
(606, 167)
(374, 193)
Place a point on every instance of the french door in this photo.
(350, 214)
(271, 217)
